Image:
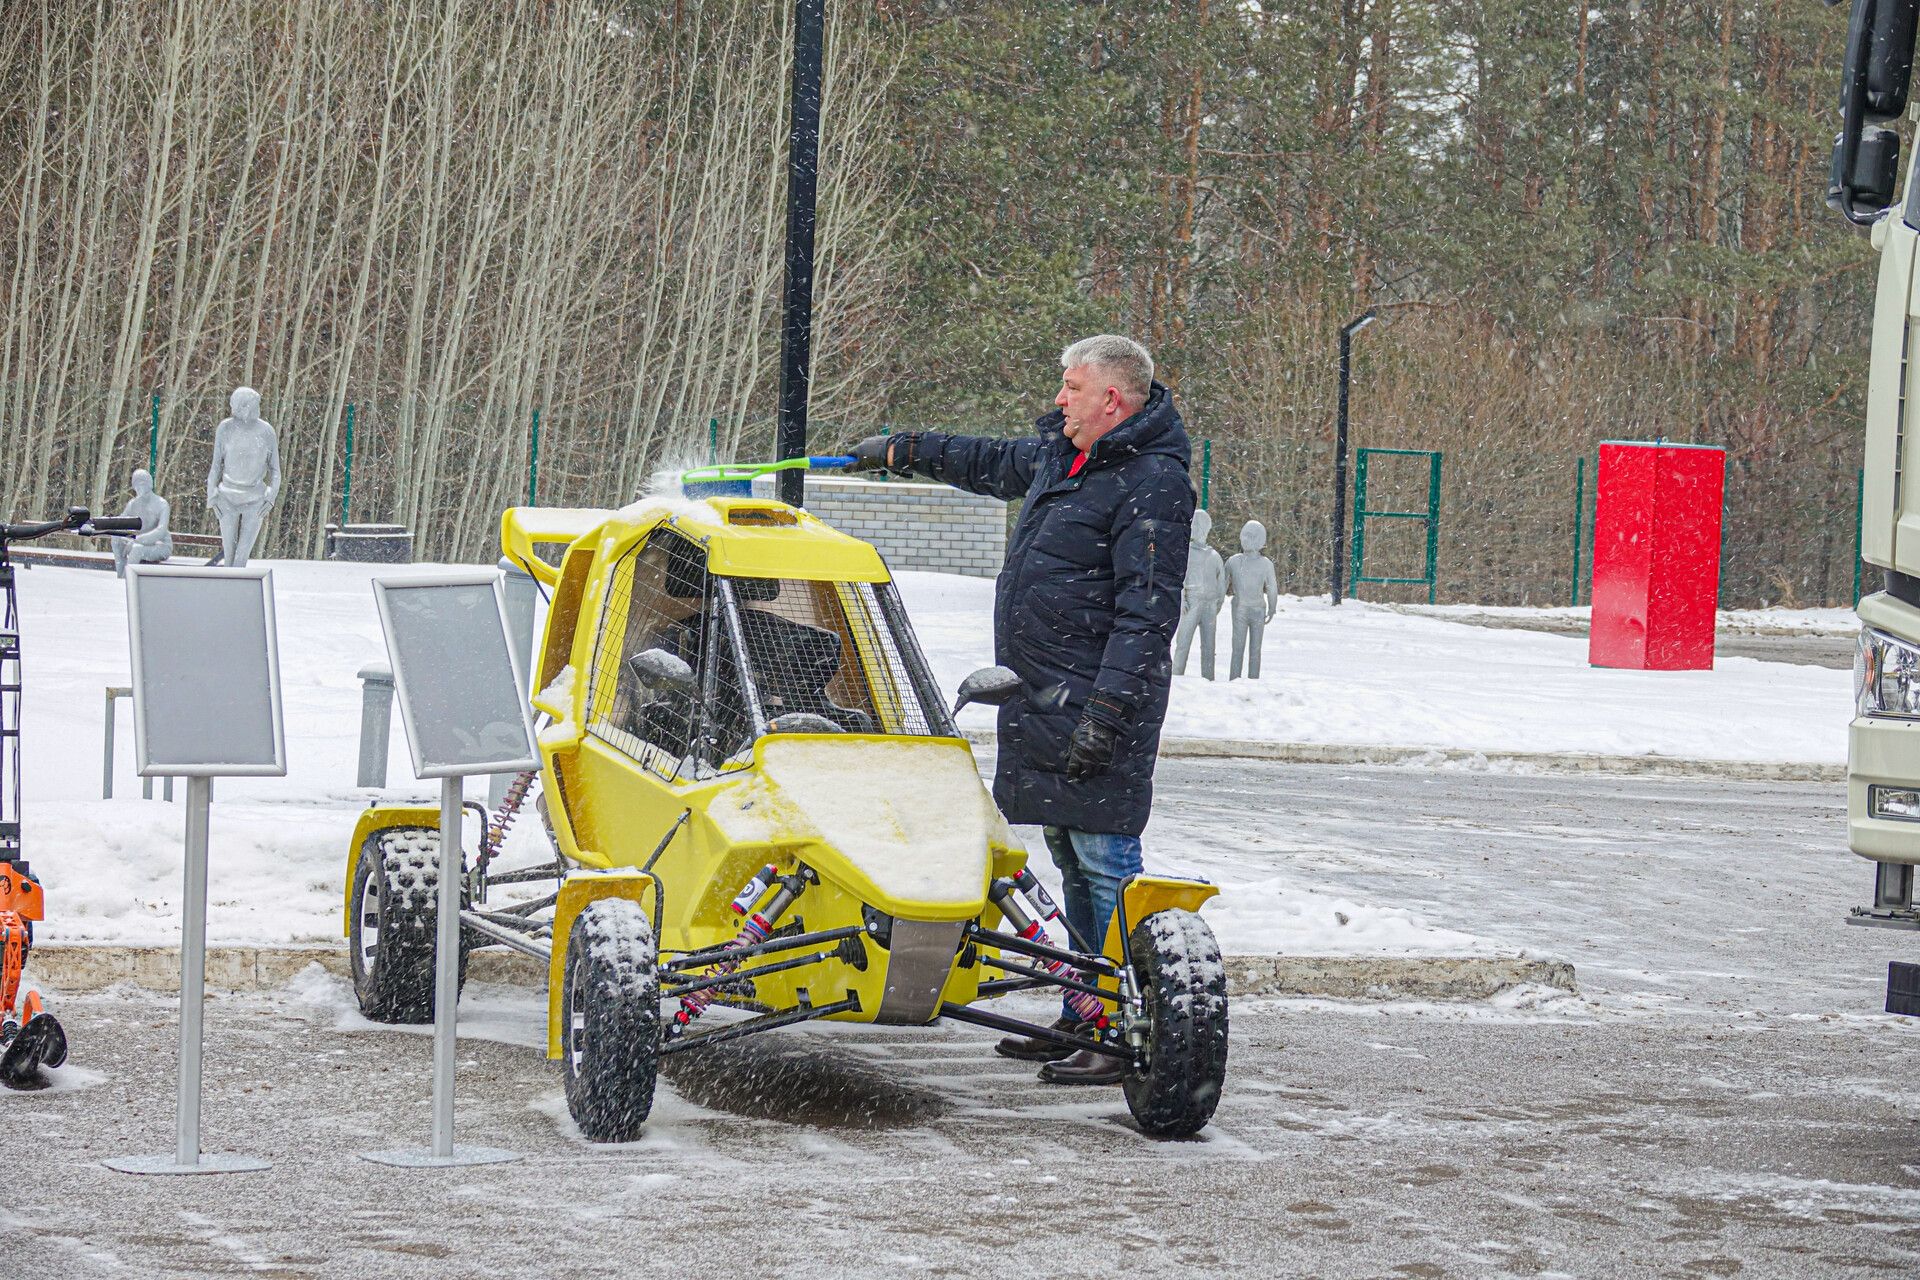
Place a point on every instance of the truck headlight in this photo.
(1886, 676)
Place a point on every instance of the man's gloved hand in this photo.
(1091, 751)
(874, 454)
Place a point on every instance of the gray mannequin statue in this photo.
(1256, 595)
(1200, 599)
(154, 543)
(244, 478)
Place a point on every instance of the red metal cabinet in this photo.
(1656, 555)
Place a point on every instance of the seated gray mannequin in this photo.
(1200, 599)
(1256, 595)
(154, 543)
(244, 478)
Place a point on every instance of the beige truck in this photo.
(1883, 742)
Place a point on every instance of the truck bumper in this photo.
(1884, 753)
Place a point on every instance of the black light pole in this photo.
(1347, 331)
(803, 171)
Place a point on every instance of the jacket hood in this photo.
(1156, 428)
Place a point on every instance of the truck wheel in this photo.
(391, 934)
(610, 1003)
(1176, 962)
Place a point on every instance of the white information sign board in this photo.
(455, 673)
(463, 701)
(206, 672)
(206, 704)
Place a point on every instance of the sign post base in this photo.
(170, 1164)
(424, 1157)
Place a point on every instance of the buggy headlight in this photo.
(1886, 676)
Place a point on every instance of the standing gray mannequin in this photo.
(1256, 595)
(154, 543)
(244, 478)
(1200, 599)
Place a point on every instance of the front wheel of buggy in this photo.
(1183, 985)
(610, 1001)
(392, 924)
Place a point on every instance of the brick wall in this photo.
(915, 526)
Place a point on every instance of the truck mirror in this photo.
(1869, 188)
(662, 672)
(1879, 65)
(1889, 56)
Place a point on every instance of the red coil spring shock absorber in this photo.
(509, 809)
(758, 927)
(1085, 1007)
(1040, 900)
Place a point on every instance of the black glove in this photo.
(1091, 751)
(874, 454)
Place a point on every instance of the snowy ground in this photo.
(1371, 675)
(1359, 674)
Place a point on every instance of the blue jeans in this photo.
(1092, 867)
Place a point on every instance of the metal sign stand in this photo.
(446, 1010)
(412, 634)
(187, 1156)
(178, 617)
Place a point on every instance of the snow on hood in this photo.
(909, 816)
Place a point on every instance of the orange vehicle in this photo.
(31, 1039)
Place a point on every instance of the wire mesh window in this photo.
(828, 651)
(819, 657)
(643, 697)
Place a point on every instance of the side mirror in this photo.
(1869, 188)
(1874, 88)
(997, 686)
(1889, 61)
(661, 672)
(993, 686)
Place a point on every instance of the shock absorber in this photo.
(1043, 904)
(502, 819)
(757, 926)
(1085, 1007)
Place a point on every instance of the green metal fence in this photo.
(1792, 528)
(1429, 517)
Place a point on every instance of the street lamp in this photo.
(796, 307)
(1347, 331)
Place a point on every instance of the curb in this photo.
(1559, 762)
(75, 970)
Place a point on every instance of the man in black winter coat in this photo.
(1088, 599)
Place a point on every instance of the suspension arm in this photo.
(742, 975)
(766, 1022)
(506, 937)
(1049, 978)
(785, 942)
(1038, 950)
(981, 1018)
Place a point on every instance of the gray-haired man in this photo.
(1088, 599)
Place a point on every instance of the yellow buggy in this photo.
(729, 693)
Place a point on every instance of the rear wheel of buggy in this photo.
(1177, 964)
(610, 1003)
(392, 918)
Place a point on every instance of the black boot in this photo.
(1085, 1067)
(1035, 1049)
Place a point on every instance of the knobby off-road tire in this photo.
(392, 935)
(1177, 963)
(610, 1010)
